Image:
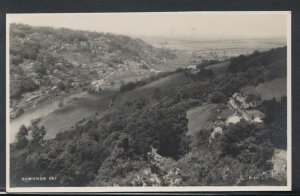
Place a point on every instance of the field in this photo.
(73, 112)
(199, 117)
(124, 77)
(147, 90)
(219, 69)
(182, 60)
(200, 44)
(272, 89)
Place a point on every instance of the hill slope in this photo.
(42, 58)
(152, 119)
(276, 88)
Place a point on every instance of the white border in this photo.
(163, 189)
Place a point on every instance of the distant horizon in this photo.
(179, 25)
(160, 36)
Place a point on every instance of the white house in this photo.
(233, 119)
(217, 131)
(192, 66)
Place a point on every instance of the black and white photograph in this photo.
(148, 101)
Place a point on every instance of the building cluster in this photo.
(98, 85)
(243, 109)
(246, 109)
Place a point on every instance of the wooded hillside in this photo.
(117, 148)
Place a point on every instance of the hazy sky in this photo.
(175, 24)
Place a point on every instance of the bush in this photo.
(21, 137)
(23, 85)
(61, 103)
(249, 143)
(217, 97)
(276, 119)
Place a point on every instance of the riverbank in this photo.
(40, 111)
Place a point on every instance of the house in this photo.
(241, 100)
(232, 105)
(192, 67)
(244, 104)
(233, 119)
(154, 71)
(219, 122)
(217, 131)
(256, 116)
(257, 119)
(98, 85)
(246, 116)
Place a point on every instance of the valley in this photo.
(117, 111)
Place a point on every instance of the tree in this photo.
(40, 68)
(217, 97)
(253, 98)
(249, 143)
(16, 60)
(276, 119)
(21, 137)
(61, 103)
(38, 133)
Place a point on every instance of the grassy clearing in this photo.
(78, 109)
(90, 104)
(181, 61)
(268, 90)
(199, 117)
(219, 69)
(174, 79)
(147, 90)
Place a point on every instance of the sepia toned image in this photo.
(177, 101)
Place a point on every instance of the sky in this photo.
(205, 25)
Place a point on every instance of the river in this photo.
(41, 111)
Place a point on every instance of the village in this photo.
(96, 62)
(243, 108)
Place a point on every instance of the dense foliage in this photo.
(276, 119)
(263, 65)
(206, 63)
